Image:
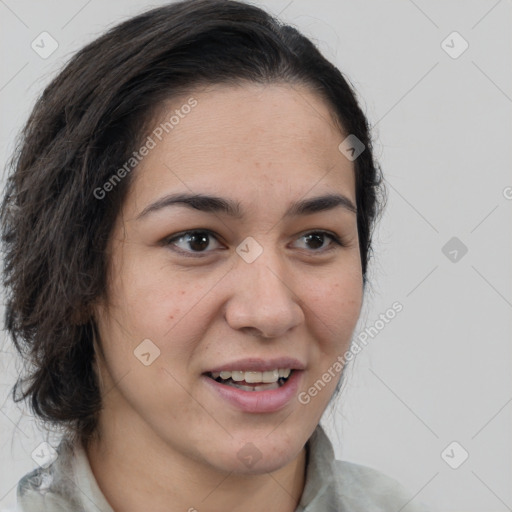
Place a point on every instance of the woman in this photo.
(187, 229)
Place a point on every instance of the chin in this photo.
(257, 455)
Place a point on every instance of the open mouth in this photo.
(252, 381)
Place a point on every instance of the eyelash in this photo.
(199, 254)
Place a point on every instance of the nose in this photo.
(263, 299)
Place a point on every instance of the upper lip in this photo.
(256, 364)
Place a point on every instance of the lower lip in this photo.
(271, 400)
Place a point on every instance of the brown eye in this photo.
(316, 241)
(192, 241)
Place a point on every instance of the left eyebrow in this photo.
(321, 204)
(215, 204)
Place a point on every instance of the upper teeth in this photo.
(252, 377)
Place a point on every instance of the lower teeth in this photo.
(256, 387)
(259, 387)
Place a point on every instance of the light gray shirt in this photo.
(68, 484)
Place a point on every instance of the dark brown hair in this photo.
(85, 125)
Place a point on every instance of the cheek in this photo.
(135, 314)
(150, 317)
(149, 295)
(334, 306)
(153, 302)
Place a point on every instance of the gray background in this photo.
(441, 370)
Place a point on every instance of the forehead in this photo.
(249, 137)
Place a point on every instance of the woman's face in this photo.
(262, 285)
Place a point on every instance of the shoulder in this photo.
(341, 485)
(36, 493)
(363, 488)
(49, 488)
